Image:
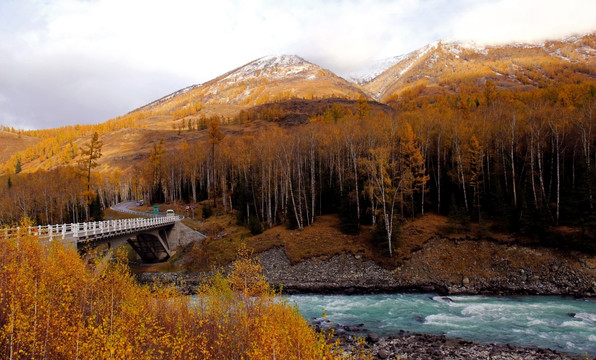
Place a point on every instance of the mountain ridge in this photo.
(441, 66)
(378, 80)
(266, 79)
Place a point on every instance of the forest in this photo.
(511, 160)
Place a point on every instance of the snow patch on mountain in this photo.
(272, 68)
(374, 69)
(561, 56)
(418, 54)
(167, 97)
(456, 47)
(368, 73)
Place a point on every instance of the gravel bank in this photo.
(414, 346)
(503, 270)
(349, 274)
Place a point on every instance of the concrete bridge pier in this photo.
(152, 246)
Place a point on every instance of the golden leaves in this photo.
(54, 305)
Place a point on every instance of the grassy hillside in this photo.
(13, 143)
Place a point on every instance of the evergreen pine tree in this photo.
(18, 166)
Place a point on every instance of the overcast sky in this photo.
(84, 61)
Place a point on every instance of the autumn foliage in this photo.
(54, 305)
(522, 160)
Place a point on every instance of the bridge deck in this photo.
(91, 231)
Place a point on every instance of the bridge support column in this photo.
(152, 246)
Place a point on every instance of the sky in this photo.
(65, 62)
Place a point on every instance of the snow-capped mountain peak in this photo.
(273, 67)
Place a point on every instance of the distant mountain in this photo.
(440, 67)
(277, 77)
(265, 80)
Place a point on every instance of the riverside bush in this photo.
(206, 211)
(255, 226)
(55, 305)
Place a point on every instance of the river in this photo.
(559, 323)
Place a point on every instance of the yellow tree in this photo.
(363, 108)
(382, 186)
(215, 137)
(155, 168)
(90, 153)
(414, 175)
(476, 153)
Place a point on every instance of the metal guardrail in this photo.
(82, 232)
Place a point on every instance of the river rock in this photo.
(383, 354)
(372, 338)
(415, 346)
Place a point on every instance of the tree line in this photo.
(71, 193)
(521, 161)
(524, 160)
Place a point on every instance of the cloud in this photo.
(83, 61)
(527, 21)
(57, 91)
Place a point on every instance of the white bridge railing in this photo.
(82, 232)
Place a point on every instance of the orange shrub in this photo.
(54, 305)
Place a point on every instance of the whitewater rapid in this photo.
(559, 323)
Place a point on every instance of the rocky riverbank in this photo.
(413, 346)
(509, 272)
(442, 266)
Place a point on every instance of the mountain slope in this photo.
(391, 79)
(369, 72)
(13, 143)
(442, 67)
(167, 97)
(274, 78)
(265, 80)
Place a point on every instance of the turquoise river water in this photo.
(559, 323)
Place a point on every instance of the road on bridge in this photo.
(126, 206)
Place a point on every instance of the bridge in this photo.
(149, 237)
